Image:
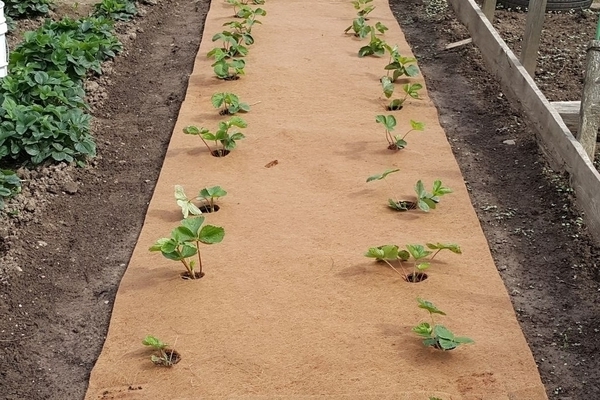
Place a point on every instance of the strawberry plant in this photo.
(229, 103)
(70, 46)
(364, 7)
(376, 47)
(425, 200)
(361, 29)
(166, 357)
(209, 196)
(230, 46)
(225, 68)
(434, 335)
(242, 30)
(399, 65)
(396, 142)
(249, 14)
(118, 10)
(410, 90)
(222, 136)
(414, 254)
(27, 8)
(10, 184)
(187, 205)
(184, 243)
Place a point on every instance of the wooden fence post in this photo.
(488, 8)
(533, 31)
(589, 113)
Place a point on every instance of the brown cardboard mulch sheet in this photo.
(289, 306)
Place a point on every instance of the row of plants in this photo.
(411, 261)
(43, 116)
(184, 243)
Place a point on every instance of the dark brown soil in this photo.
(544, 254)
(68, 246)
(55, 313)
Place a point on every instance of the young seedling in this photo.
(229, 103)
(437, 336)
(399, 65)
(425, 200)
(166, 357)
(410, 90)
(414, 254)
(230, 46)
(249, 13)
(187, 206)
(397, 142)
(362, 29)
(363, 7)
(222, 136)
(209, 195)
(243, 30)
(184, 243)
(226, 68)
(376, 47)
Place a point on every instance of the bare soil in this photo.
(65, 242)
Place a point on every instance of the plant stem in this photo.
(212, 204)
(407, 134)
(206, 144)
(394, 268)
(435, 254)
(189, 269)
(199, 258)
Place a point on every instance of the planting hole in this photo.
(405, 205)
(232, 78)
(393, 146)
(219, 153)
(208, 209)
(394, 108)
(187, 277)
(173, 356)
(416, 277)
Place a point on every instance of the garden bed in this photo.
(50, 351)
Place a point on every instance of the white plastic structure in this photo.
(3, 48)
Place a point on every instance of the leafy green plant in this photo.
(10, 184)
(435, 335)
(361, 29)
(397, 142)
(187, 205)
(70, 46)
(25, 86)
(184, 243)
(35, 133)
(27, 8)
(363, 6)
(229, 103)
(118, 10)
(248, 13)
(425, 200)
(166, 357)
(230, 46)
(242, 30)
(225, 68)
(410, 90)
(414, 254)
(209, 195)
(376, 47)
(222, 136)
(399, 65)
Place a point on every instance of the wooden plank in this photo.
(589, 118)
(533, 32)
(563, 150)
(489, 7)
(569, 111)
(459, 43)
